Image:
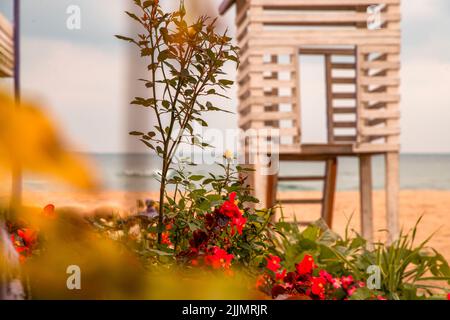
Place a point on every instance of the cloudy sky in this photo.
(85, 79)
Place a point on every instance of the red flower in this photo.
(325, 275)
(28, 236)
(351, 291)
(49, 211)
(379, 297)
(448, 296)
(219, 258)
(24, 242)
(239, 223)
(194, 262)
(261, 281)
(346, 281)
(230, 208)
(281, 275)
(306, 266)
(336, 283)
(273, 263)
(165, 239)
(318, 286)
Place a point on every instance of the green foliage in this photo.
(408, 271)
(192, 211)
(185, 64)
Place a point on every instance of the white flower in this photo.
(228, 154)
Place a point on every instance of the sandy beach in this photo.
(432, 204)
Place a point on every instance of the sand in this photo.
(433, 205)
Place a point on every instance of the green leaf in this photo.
(196, 177)
(125, 38)
(166, 104)
(226, 82)
(133, 16)
(361, 294)
(146, 52)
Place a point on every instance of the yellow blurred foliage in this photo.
(30, 140)
(111, 270)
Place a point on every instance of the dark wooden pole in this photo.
(16, 192)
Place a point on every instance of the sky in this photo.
(85, 78)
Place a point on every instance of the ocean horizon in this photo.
(138, 172)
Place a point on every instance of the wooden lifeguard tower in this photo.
(361, 63)
(6, 48)
(10, 68)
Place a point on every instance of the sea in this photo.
(139, 172)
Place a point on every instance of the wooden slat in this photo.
(326, 38)
(330, 51)
(304, 178)
(381, 131)
(344, 110)
(6, 72)
(6, 48)
(387, 81)
(394, 49)
(344, 124)
(272, 67)
(323, 18)
(276, 84)
(380, 114)
(376, 148)
(380, 65)
(375, 122)
(6, 27)
(267, 116)
(343, 66)
(333, 33)
(344, 95)
(266, 100)
(318, 4)
(343, 80)
(380, 97)
(344, 138)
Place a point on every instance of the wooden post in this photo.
(329, 93)
(272, 188)
(16, 188)
(365, 186)
(329, 191)
(392, 193)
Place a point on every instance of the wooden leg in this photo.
(259, 185)
(392, 192)
(365, 187)
(272, 186)
(329, 191)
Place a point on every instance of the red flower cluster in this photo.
(231, 210)
(24, 240)
(212, 244)
(304, 283)
(165, 239)
(273, 263)
(218, 258)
